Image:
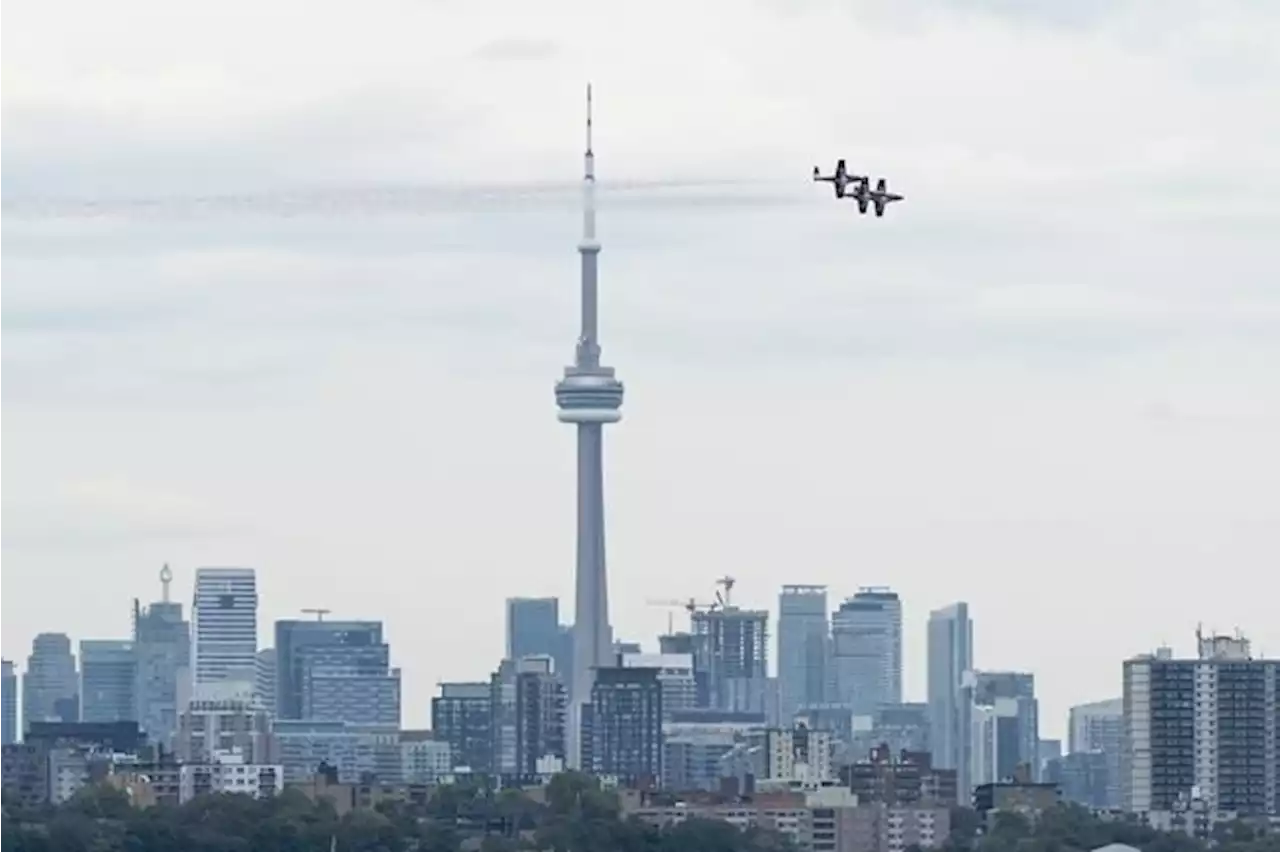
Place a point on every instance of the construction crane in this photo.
(689, 605)
(727, 582)
(318, 612)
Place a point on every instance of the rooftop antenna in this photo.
(318, 612)
(588, 119)
(166, 577)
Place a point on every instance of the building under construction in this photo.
(729, 646)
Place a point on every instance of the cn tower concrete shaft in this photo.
(589, 396)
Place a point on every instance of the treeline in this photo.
(1071, 828)
(577, 817)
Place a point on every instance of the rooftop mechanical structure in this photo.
(589, 396)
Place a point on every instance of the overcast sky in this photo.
(288, 285)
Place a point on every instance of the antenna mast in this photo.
(588, 119)
(588, 185)
(318, 612)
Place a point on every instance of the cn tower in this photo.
(589, 396)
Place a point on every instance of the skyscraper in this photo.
(264, 681)
(589, 396)
(803, 642)
(462, 715)
(336, 671)
(625, 723)
(224, 613)
(1005, 725)
(866, 648)
(540, 718)
(675, 676)
(730, 651)
(950, 655)
(108, 680)
(8, 703)
(1097, 726)
(533, 627)
(1095, 733)
(162, 642)
(50, 687)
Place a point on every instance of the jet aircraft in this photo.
(840, 179)
(878, 197)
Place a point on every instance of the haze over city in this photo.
(302, 310)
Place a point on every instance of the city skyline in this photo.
(1040, 387)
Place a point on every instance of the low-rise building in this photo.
(825, 819)
(897, 779)
(424, 759)
(228, 772)
(1023, 797)
(356, 752)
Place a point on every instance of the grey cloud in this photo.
(68, 522)
(1070, 15)
(60, 153)
(517, 50)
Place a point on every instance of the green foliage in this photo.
(1071, 828)
(577, 816)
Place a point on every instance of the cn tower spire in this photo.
(589, 396)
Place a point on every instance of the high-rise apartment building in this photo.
(730, 652)
(502, 703)
(8, 703)
(1205, 728)
(224, 625)
(51, 685)
(804, 640)
(625, 726)
(866, 648)
(533, 627)
(950, 655)
(225, 716)
(162, 644)
(108, 680)
(462, 715)
(675, 674)
(541, 718)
